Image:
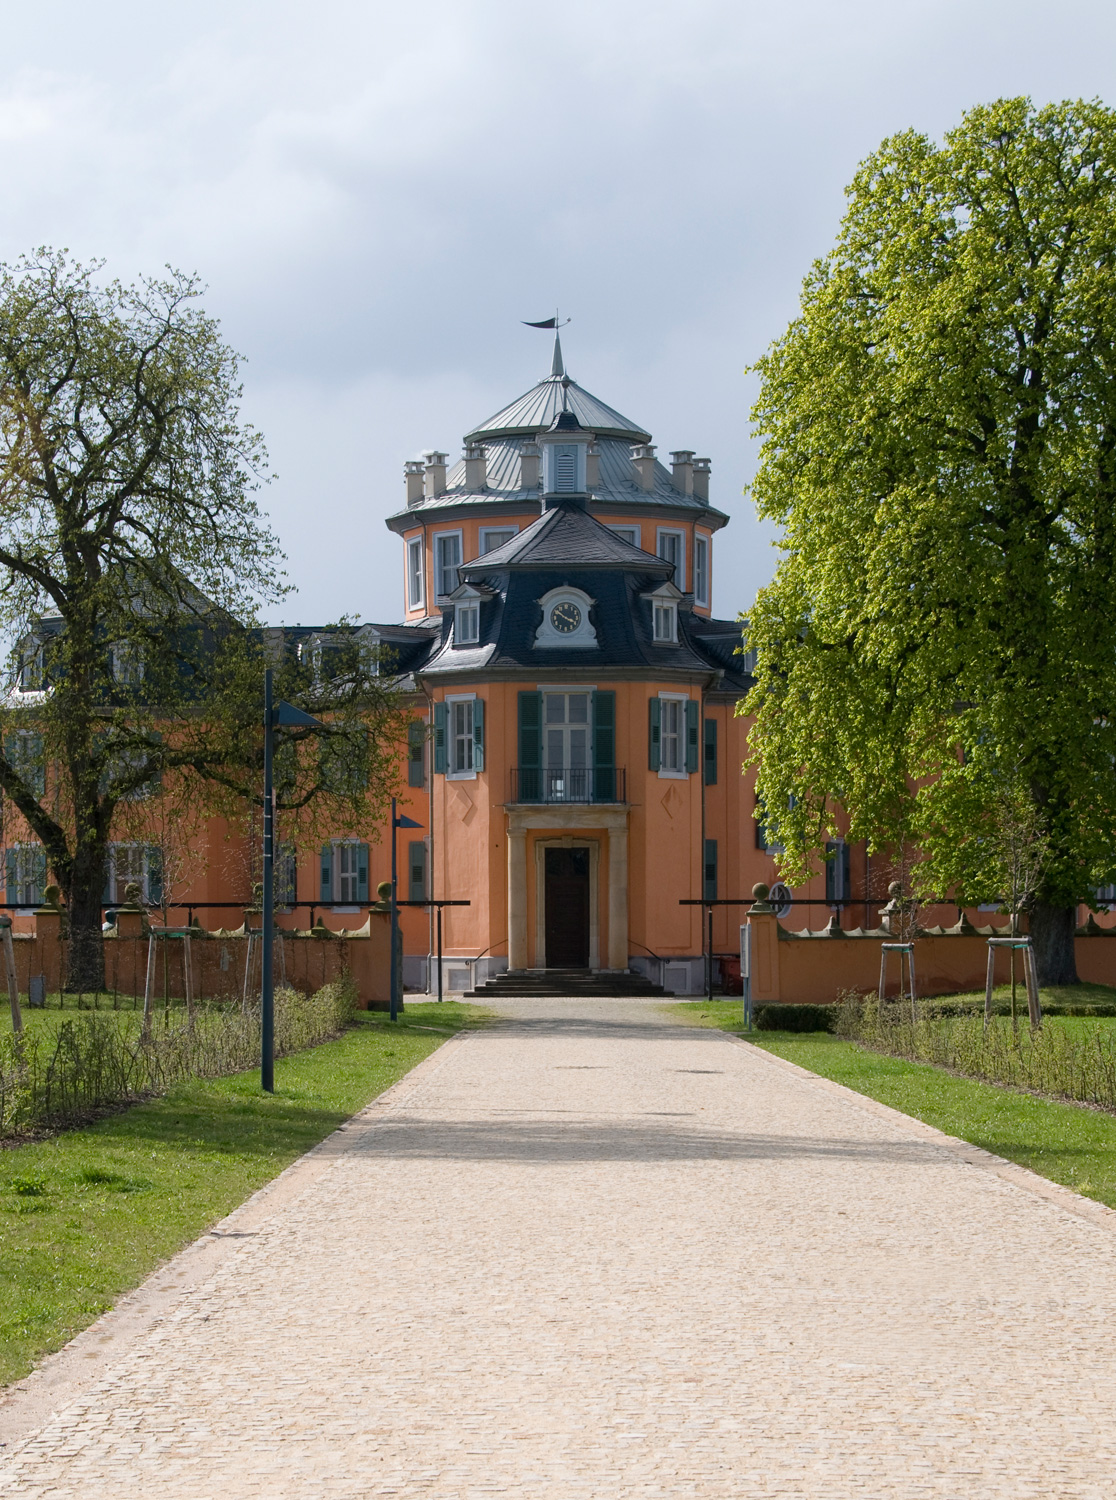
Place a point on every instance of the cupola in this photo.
(565, 447)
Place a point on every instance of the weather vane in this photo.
(555, 322)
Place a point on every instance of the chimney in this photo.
(701, 480)
(412, 478)
(529, 459)
(435, 472)
(476, 467)
(682, 467)
(643, 456)
(592, 467)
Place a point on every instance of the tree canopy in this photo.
(939, 447)
(134, 558)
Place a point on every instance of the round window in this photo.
(780, 898)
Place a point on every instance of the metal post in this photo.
(267, 993)
(709, 985)
(394, 1012)
(439, 955)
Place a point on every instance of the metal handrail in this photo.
(559, 784)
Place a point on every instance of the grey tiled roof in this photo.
(617, 488)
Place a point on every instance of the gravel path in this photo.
(587, 1253)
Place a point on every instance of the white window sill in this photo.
(344, 910)
(674, 775)
(461, 776)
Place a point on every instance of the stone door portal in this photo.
(567, 908)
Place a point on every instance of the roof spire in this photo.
(556, 365)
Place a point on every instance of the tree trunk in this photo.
(85, 969)
(1052, 929)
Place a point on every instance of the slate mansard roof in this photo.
(568, 548)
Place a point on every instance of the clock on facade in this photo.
(565, 617)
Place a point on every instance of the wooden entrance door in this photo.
(567, 908)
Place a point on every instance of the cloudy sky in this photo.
(376, 194)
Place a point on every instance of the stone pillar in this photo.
(763, 926)
(517, 898)
(618, 896)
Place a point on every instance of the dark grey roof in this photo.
(568, 536)
(538, 408)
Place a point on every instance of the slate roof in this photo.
(567, 537)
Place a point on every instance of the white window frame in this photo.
(666, 773)
(29, 880)
(487, 531)
(416, 577)
(635, 530)
(439, 568)
(341, 902)
(703, 544)
(452, 774)
(466, 623)
(138, 853)
(679, 579)
(127, 664)
(664, 610)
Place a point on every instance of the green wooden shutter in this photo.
(154, 857)
(530, 747)
(478, 734)
(416, 753)
(655, 735)
(39, 865)
(362, 872)
(709, 892)
(441, 760)
(604, 747)
(711, 752)
(12, 872)
(416, 870)
(693, 714)
(325, 885)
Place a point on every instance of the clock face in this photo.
(565, 618)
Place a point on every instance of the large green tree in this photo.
(133, 559)
(939, 428)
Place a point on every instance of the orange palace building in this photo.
(576, 763)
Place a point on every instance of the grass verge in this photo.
(1067, 1143)
(88, 1213)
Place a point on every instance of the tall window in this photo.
(837, 882)
(24, 752)
(351, 863)
(466, 626)
(673, 735)
(26, 874)
(495, 536)
(461, 735)
(138, 864)
(628, 534)
(566, 746)
(701, 569)
(447, 560)
(286, 875)
(127, 663)
(666, 622)
(672, 549)
(415, 593)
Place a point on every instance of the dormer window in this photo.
(466, 624)
(565, 622)
(666, 622)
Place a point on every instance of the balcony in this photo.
(569, 784)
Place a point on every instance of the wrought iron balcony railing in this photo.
(569, 784)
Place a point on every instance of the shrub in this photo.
(795, 1017)
(96, 1060)
(1077, 1064)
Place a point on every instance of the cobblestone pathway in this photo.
(606, 1257)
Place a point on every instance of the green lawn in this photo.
(88, 1213)
(1068, 1143)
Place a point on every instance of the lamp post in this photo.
(275, 714)
(398, 820)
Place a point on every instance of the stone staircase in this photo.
(567, 983)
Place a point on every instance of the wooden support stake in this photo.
(188, 977)
(988, 986)
(13, 981)
(149, 986)
(1031, 976)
